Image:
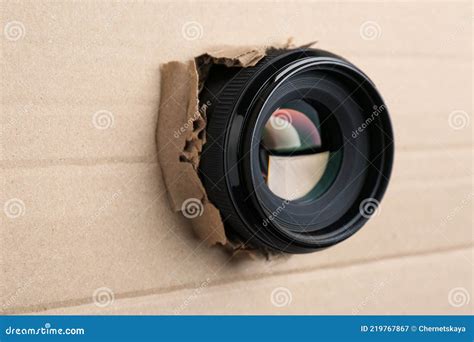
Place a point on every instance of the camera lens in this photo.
(296, 146)
(296, 161)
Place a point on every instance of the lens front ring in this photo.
(252, 216)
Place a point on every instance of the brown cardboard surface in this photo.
(132, 138)
(95, 209)
(182, 121)
(366, 288)
(129, 219)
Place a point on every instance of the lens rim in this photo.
(251, 222)
(300, 213)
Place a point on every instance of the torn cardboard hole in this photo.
(181, 135)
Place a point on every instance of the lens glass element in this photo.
(296, 157)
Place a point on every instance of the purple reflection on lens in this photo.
(290, 129)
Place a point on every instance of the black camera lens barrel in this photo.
(353, 124)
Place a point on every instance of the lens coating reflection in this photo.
(296, 160)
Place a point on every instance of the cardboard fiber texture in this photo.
(375, 281)
(96, 213)
(182, 120)
(179, 121)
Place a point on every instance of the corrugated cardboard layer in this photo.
(95, 210)
(180, 136)
(360, 289)
(131, 138)
(128, 225)
(182, 120)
